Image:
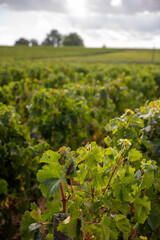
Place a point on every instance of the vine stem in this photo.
(55, 202)
(115, 168)
(96, 223)
(74, 189)
(47, 223)
(63, 198)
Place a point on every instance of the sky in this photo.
(113, 23)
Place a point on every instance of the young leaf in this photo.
(50, 157)
(134, 155)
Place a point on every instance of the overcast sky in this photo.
(114, 23)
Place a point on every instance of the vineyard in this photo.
(83, 140)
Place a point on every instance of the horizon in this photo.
(101, 47)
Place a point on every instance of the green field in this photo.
(79, 129)
(79, 54)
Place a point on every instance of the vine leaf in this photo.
(27, 220)
(50, 186)
(123, 225)
(50, 157)
(50, 175)
(154, 218)
(134, 155)
(142, 208)
(3, 186)
(109, 230)
(147, 180)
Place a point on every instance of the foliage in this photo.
(58, 117)
(115, 190)
(54, 38)
(47, 105)
(18, 166)
(22, 41)
(33, 42)
(68, 98)
(73, 39)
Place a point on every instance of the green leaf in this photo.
(142, 209)
(50, 177)
(53, 170)
(134, 155)
(123, 225)
(108, 227)
(50, 236)
(52, 208)
(50, 186)
(143, 238)
(3, 186)
(36, 214)
(50, 157)
(147, 181)
(76, 204)
(33, 206)
(27, 220)
(154, 217)
(110, 151)
(93, 157)
(107, 140)
(105, 223)
(121, 192)
(116, 205)
(96, 206)
(82, 173)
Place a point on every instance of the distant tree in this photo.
(104, 46)
(73, 39)
(46, 42)
(22, 41)
(54, 38)
(33, 42)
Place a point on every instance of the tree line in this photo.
(54, 38)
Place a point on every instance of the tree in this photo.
(33, 42)
(22, 41)
(73, 39)
(54, 38)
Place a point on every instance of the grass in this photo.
(79, 54)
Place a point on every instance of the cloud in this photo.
(126, 6)
(143, 22)
(35, 5)
(141, 6)
(110, 22)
